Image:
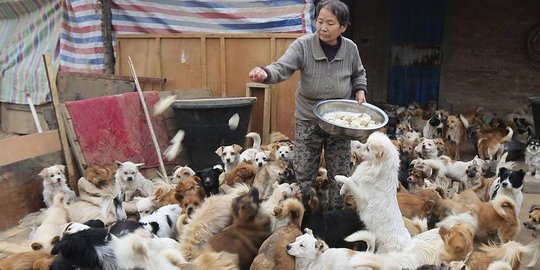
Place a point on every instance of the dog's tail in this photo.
(292, 209)
(499, 265)
(256, 139)
(464, 121)
(505, 208)
(502, 163)
(365, 236)
(59, 199)
(508, 136)
(510, 252)
(119, 209)
(276, 137)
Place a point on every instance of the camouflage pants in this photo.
(309, 140)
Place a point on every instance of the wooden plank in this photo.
(158, 58)
(70, 168)
(73, 139)
(223, 66)
(181, 62)
(204, 78)
(28, 146)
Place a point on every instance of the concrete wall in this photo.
(484, 57)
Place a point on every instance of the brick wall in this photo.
(484, 58)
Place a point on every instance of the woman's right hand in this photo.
(258, 75)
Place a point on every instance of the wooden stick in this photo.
(147, 115)
(51, 78)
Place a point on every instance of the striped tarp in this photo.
(81, 41)
(28, 29)
(70, 30)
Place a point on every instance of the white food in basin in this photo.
(350, 119)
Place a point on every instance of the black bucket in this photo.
(535, 102)
(206, 126)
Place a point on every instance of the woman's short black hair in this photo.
(338, 8)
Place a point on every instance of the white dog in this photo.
(255, 155)
(374, 186)
(181, 173)
(131, 181)
(54, 181)
(49, 231)
(230, 156)
(163, 221)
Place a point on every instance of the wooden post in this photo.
(51, 78)
(106, 31)
(267, 105)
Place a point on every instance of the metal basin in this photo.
(345, 105)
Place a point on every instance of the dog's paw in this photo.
(342, 179)
(343, 190)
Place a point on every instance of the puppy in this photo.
(163, 221)
(533, 224)
(230, 156)
(491, 144)
(210, 180)
(255, 155)
(49, 231)
(247, 232)
(282, 150)
(509, 183)
(374, 186)
(243, 173)
(99, 175)
(532, 157)
(181, 173)
(29, 260)
(455, 134)
(54, 181)
(458, 241)
(272, 171)
(272, 253)
(131, 181)
(190, 203)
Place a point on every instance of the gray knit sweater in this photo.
(319, 79)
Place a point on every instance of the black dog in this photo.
(210, 180)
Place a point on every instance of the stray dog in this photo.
(491, 144)
(230, 156)
(131, 181)
(100, 176)
(210, 180)
(54, 181)
(255, 155)
(181, 173)
(191, 186)
(433, 128)
(458, 241)
(532, 157)
(509, 183)
(427, 148)
(48, 233)
(533, 224)
(163, 221)
(374, 186)
(25, 260)
(243, 173)
(272, 171)
(272, 253)
(248, 231)
(456, 134)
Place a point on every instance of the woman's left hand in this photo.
(360, 96)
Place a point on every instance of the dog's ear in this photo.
(218, 170)
(254, 194)
(237, 148)
(308, 231)
(313, 202)
(139, 165)
(521, 173)
(443, 231)
(36, 246)
(61, 167)
(376, 149)
(219, 151)
(177, 167)
(320, 246)
(43, 173)
(502, 171)
(118, 164)
(55, 239)
(277, 211)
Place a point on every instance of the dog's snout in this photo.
(129, 178)
(289, 247)
(409, 179)
(504, 184)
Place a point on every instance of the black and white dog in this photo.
(509, 183)
(532, 157)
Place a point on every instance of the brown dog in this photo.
(272, 171)
(458, 241)
(191, 186)
(533, 224)
(100, 175)
(491, 143)
(455, 135)
(243, 173)
(248, 231)
(272, 254)
(30, 260)
(412, 205)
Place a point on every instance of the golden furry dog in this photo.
(247, 232)
(511, 253)
(100, 175)
(191, 186)
(210, 260)
(491, 143)
(272, 171)
(272, 253)
(190, 203)
(243, 173)
(533, 224)
(458, 241)
(412, 205)
(213, 215)
(164, 195)
(455, 135)
(49, 231)
(30, 260)
(482, 188)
